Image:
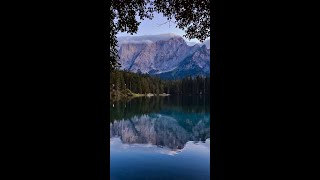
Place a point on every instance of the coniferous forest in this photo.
(128, 82)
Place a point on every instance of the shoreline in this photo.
(150, 95)
(127, 94)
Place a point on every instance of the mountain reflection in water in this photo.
(160, 138)
(168, 122)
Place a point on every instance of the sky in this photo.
(153, 27)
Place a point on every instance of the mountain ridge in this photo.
(170, 58)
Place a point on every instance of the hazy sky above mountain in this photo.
(157, 26)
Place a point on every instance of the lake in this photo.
(160, 138)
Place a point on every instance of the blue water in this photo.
(160, 138)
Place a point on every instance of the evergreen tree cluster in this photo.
(144, 83)
(188, 85)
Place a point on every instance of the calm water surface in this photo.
(160, 138)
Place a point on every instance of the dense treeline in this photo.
(137, 83)
(144, 83)
(197, 85)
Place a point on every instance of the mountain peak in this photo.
(177, 39)
(163, 54)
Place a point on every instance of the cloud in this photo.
(191, 43)
(147, 39)
(135, 42)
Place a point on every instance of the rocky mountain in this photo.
(167, 56)
(207, 43)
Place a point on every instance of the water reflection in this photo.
(190, 146)
(164, 122)
(160, 138)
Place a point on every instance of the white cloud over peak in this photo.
(153, 38)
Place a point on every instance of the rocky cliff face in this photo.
(198, 63)
(170, 58)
